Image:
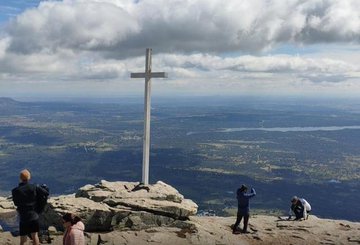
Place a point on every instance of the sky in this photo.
(88, 48)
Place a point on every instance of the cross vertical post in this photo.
(147, 112)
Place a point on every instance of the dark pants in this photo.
(299, 213)
(26, 228)
(238, 220)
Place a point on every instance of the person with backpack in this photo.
(243, 207)
(300, 207)
(74, 230)
(25, 197)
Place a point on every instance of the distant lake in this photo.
(280, 129)
(289, 129)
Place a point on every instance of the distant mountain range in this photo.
(5, 101)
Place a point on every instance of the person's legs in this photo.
(238, 220)
(35, 238)
(246, 221)
(299, 212)
(23, 240)
(23, 232)
(27, 229)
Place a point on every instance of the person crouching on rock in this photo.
(300, 207)
(243, 207)
(74, 230)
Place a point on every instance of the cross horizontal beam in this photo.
(152, 74)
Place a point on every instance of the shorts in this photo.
(26, 228)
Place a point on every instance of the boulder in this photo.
(96, 216)
(122, 205)
(141, 220)
(6, 205)
(166, 208)
(130, 190)
(52, 230)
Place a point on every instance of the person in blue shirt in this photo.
(243, 207)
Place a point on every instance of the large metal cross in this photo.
(147, 114)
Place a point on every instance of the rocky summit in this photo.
(131, 213)
(109, 206)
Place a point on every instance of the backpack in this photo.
(42, 195)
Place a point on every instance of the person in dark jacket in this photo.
(243, 207)
(24, 197)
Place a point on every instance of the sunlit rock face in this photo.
(122, 205)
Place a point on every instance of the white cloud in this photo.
(248, 63)
(120, 28)
(4, 44)
(67, 65)
(70, 25)
(104, 40)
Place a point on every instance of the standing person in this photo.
(25, 199)
(74, 230)
(300, 207)
(243, 207)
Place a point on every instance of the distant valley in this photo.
(204, 147)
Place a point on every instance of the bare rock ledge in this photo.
(128, 213)
(109, 206)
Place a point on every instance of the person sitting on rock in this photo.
(300, 207)
(243, 207)
(74, 230)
